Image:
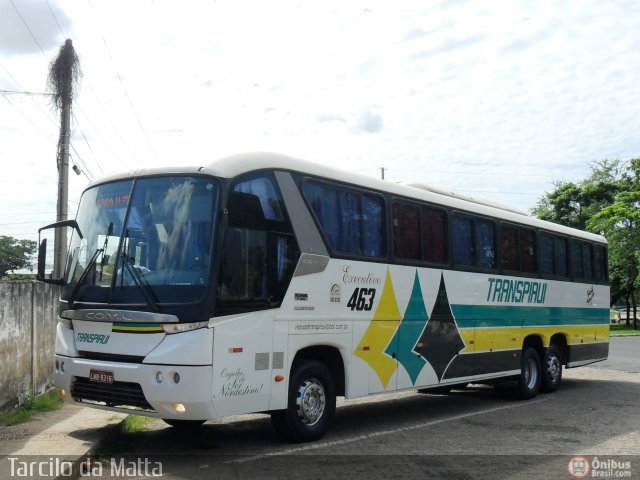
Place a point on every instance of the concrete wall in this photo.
(28, 318)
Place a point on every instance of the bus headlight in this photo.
(171, 328)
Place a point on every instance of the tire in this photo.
(551, 369)
(530, 374)
(311, 403)
(183, 424)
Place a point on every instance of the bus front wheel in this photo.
(530, 374)
(311, 403)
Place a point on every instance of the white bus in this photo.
(262, 283)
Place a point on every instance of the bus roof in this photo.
(232, 166)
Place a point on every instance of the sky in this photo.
(495, 100)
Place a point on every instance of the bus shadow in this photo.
(363, 418)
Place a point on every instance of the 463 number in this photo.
(362, 299)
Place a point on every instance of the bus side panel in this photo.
(242, 362)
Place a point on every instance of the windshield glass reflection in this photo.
(146, 241)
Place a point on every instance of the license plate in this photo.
(101, 376)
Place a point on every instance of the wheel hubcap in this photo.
(310, 401)
(553, 368)
(530, 373)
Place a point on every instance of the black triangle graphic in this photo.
(440, 341)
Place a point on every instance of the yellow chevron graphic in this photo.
(383, 326)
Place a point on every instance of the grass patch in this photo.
(42, 403)
(622, 330)
(135, 423)
(123, 437)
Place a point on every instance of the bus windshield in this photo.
(145, 241)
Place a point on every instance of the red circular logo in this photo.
(579, 467)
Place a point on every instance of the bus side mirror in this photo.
(42, 259)
(42, 250)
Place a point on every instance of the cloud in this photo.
(369, 122)
(449, 45)
(16, 37)
(525, 42)
(330, 117)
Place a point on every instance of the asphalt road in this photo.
(624, 355)
(471, 433)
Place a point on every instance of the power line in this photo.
(113, 125)
(88, 173)
(91, 150)
(126, 94)
(18, 92)
(31, 97)
(55, 19)
(29, 120)
(28, 28)
(27, 213)
(19, 223)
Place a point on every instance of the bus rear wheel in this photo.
(551, 369)
(530, 374)
(311, 403)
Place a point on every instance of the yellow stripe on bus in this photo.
(507, 338)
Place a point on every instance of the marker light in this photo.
(176, 377)
(159, 377)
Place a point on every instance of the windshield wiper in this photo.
(92, 262)
(138, 279)
(76, 287)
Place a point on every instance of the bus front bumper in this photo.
(166, 391)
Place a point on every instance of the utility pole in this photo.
(64, 73)
(382, 172)
(60, 240)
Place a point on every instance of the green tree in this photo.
(620, 223)
(573, 204)
(15, 254)
(606, 202)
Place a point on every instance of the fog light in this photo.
(178, 407)
(62, 392)
(176, 377)
(159, 377)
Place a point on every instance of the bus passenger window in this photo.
(527, 250)
(485, 247)
(586, 261)
(560, 257)
(462, 241)
(352, 222)
(577, 266)
(509, 248)
(599, 263)
(434, 237)
(546, 254)
(406, 241)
